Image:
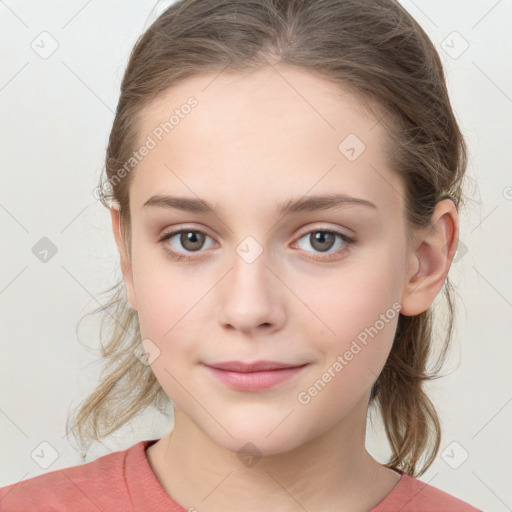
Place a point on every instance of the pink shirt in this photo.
(123, 481)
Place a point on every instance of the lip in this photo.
(255, 376)
(256, 366)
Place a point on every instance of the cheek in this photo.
(168, 304)
(346, 300)
(354, 317)
(351, 359)
(169, 310)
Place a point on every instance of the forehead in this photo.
(268, 136)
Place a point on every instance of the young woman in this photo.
(283, 178)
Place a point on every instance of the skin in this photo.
(253, 142)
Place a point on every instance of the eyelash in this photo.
(179, 257)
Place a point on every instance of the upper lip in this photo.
(256, 366)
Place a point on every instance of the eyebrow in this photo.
(290, 207)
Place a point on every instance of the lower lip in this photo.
(254, 381)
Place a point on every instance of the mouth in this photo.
(255, 376)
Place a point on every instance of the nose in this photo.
(252, 297)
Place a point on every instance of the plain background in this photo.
(56, 114)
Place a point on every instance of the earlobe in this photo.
(126, 267)
(431, 259)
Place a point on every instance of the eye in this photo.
(190, 239)
(323, 240)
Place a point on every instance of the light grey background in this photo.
(56, 112)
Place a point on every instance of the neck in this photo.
(196, 472)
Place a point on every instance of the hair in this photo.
(373, 49)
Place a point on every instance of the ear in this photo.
(126, 266)
(430, 259)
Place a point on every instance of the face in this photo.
(316, 288)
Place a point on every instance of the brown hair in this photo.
(381, 54)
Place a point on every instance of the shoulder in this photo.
(96, 485)
(413, 495)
